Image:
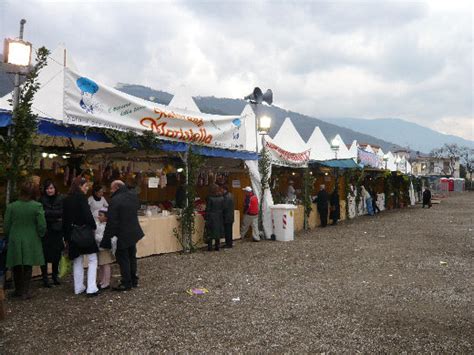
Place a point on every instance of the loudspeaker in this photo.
(255, 97)
(268, 97)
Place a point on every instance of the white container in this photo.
(283, 217)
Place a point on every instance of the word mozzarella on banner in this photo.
(87, 103)
(282, 157)
(369, 159)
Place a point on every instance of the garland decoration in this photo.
(308, 183)
(264, 167)
(187, 215)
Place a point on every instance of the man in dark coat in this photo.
(214, 217)
(123, 223)
(321, 201)
(335, 209)
(427, 198)
(228, 215)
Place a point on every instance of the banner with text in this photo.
(369, 159)
(87, 103)
(282, 157)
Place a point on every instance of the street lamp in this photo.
(335, 146)
(17, 55)
(17, 52)
(256, 98)
(385, 159)
(264, 124)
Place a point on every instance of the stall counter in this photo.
(159, 234)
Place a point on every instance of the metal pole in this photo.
(16, 100)
(256, 127)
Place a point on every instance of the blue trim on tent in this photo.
(5, 118)
(339, 163)
(56, 130)
(223, 153)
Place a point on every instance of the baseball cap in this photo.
(247, 189)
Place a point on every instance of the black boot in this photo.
(44, 275)
(209, 245)
(18, 281)
(217, 246)
(27, 271)
(55, 273)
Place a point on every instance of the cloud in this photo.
(411, 60)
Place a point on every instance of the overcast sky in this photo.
(372, 59)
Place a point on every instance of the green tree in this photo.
(17, 150)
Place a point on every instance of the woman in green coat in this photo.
(24, 226)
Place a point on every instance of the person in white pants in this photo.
(246, 223)
(76, 213)
(250, 215)
(78, 270)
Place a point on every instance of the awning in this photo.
(53, 129)
(339, 163)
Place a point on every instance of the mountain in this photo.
(416, 137)
(225, 106)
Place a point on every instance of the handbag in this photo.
(83, 236)
(65, 266)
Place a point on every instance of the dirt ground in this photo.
(374, 284)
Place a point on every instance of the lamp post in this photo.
(335, 146)
(385, 159)
(17, 55)
(256, 98)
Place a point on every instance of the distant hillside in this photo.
(405, 133)
(224, 106)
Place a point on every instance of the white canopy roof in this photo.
(353, 150)
(289, 139)
(248, 119)
(183, 100)
(343, 152)
(369, 149)
(320, 148)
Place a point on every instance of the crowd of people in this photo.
(90, 232)
(93, 232)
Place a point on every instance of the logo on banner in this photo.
(237, 123)
(88, 89)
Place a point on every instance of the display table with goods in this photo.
(314, 220)
(160, 235)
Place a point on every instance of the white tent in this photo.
(391, 165)
(48, 100)
(343, 152)
(380, 153)
(183, 100)
(320, 148)
(248, 118)
(369, 149)
(353, 150)
(289, 139)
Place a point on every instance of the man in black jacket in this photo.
(321, 201)
(228, 215)
(123, 223)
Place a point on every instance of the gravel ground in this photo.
(368, 285)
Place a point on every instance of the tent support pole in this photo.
(16, 100)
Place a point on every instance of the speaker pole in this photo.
(255, 105)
